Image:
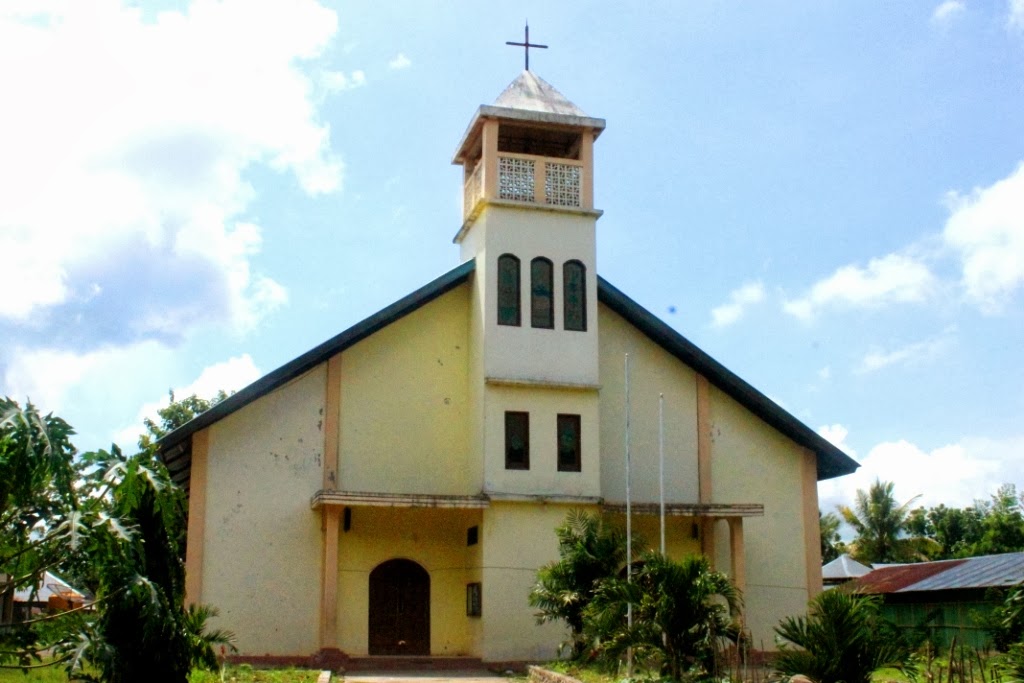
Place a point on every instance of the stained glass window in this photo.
(574, 292)
(542, 310)
(508, 290)
(569, 443)
(517, 441)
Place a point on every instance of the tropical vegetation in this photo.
(116, 524)
(590, 551)
(880, 524)
(682, 613)
(843, 639)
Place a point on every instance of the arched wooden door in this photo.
(399, 609)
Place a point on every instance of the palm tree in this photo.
(682, 611)
(832, 545)
(843, 639)
(589, 551)
(880, 523)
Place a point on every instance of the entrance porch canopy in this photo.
(328, 498)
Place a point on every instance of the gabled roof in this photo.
(986, 571)
(832, 462)
(174, 447)
(843, 567)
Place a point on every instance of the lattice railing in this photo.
(527, 178)
(562, 184)
(474, 190)
(515, 178)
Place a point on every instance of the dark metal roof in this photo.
(319, 354)
(896, 577)
(987, 571)
(832, 462)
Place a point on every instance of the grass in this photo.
(237, 674)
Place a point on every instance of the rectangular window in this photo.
(517, 441)
(473, 606)
(569, 443)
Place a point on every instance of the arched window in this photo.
(508, 290)
(542, 293)
(574, 295)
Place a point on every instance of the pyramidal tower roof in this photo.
(532, 100)
(530, 92)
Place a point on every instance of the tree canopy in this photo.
(116, 523)
(881, 527)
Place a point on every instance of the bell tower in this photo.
(529, 224)
(529, 221)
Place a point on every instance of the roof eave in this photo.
(831, 461)
(486, 111)
(321, 353)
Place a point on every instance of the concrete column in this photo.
(737, 554)
(329, 579)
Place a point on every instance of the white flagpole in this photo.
(629, 525)
(661, 464)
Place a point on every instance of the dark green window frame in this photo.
(542, 293)
(569, 443)
(574, 296)
(508, 291)
(517, 440)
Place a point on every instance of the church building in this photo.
(393, 491)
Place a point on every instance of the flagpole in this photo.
(661, 465)
(629, 525)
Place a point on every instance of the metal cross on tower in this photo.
(526, 45)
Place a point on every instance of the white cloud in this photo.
(336, 81)
(1015, 17)
(739, 300)
(400, 61)
(917, 352)
(955, 475)
(825, 373)
(53, 379)
(894, 278)
(125, 144)
(986, 228)
(947, 11)
(836, 435)
(229, 376)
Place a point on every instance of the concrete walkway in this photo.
(424, 677)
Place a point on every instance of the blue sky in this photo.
(827, 197)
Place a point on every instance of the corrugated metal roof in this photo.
(987, 571)
(895, 578)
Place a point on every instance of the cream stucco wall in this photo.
(543, 405)
(750, 463)
(517, 539)
(261, 541)
(652, 371)
(433, 538)
(753, 463)
(405, 405)
(524, 352)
